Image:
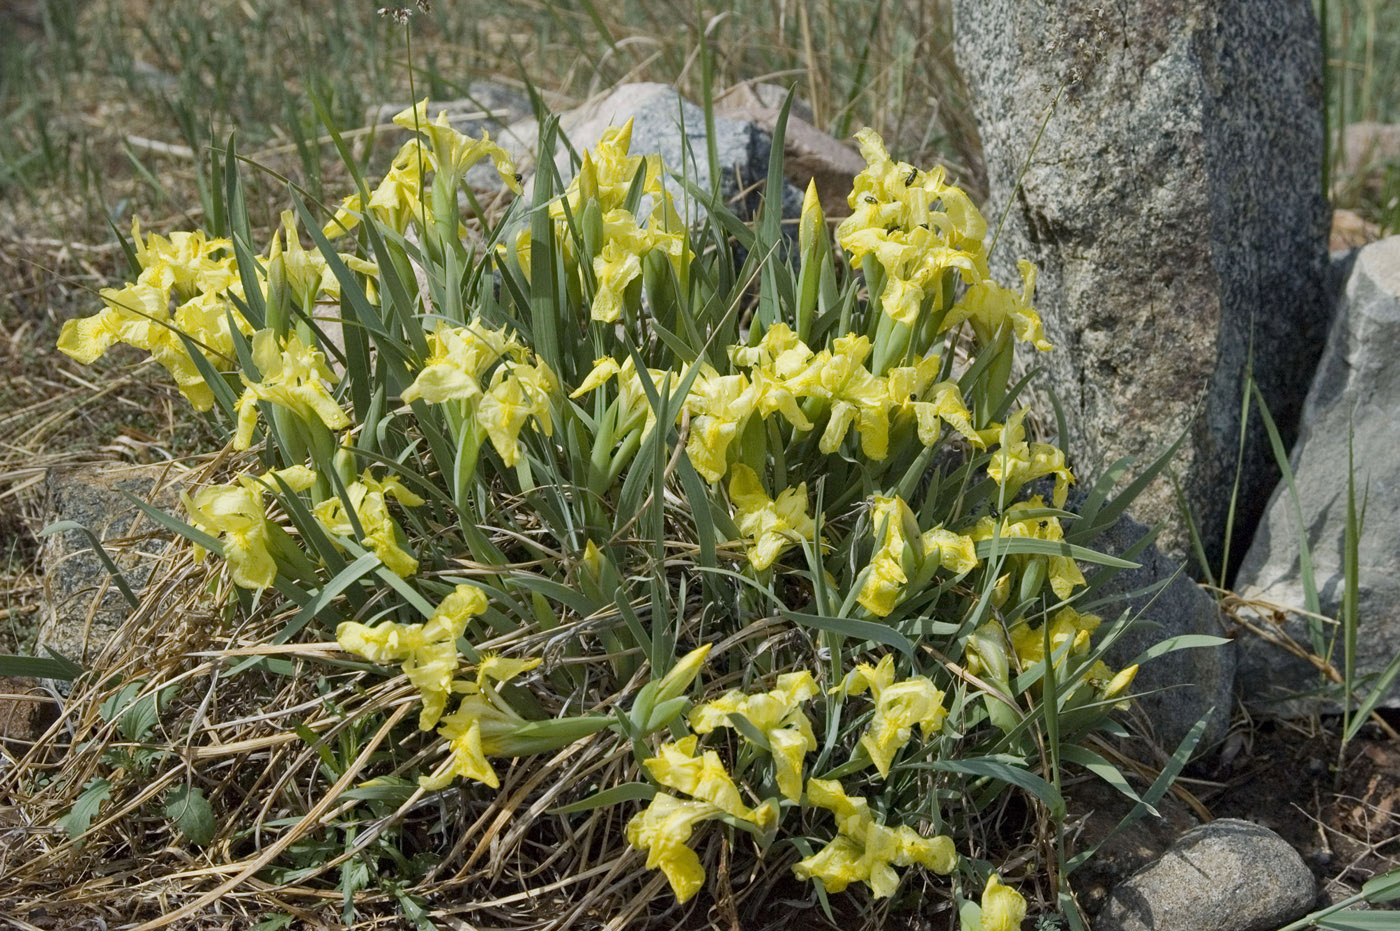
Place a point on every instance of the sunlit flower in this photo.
(368, 498)
(719, 405)
(427, 651)
(781, 373)
(778, 715)
(1003, 908)
(454, 152)
(770, 525)
(662, 829)
(294, 376)
(1063, 572)
(895, 218)
(237, 516)
(482, 725)
(885, 578)
(518, 393)
(865, 850)
(932, 403)
(988, 305)
(703, 777)
(457, 358)
(397, 199)
(899, 707)
(1017, 462)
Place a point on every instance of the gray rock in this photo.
(808, 153)
(1356, 390)
(83, 609)
(1228, 875)
(658, 113)
(1174, 208)
(1098, 808)
(1175, 690)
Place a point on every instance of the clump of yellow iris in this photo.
(865, 850)
(187, 271)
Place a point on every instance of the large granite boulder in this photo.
(1173, 204)
(1355, 393)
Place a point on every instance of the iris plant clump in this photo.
(778, 531)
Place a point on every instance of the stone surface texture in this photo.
(1228, 875)
(1173, 207)
(1177, 689)
(1356, 391)
(82, 608)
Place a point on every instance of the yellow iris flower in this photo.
(482, 726)
(634, 408)
(662, 830)
(237, 516)
(457, 358)
(369, 500)
(604, 178)
(778, 715)
(1067, 626)
(518, 393)
(703, 777)
(1003, 908)
(719, 406)
(865, 850)
(397, 199)
(185, 269)
(780, 370)
(900, 552)
(770, 525)
(1017, 462)
(294, 376)
(988, 305)
(856, 397)
(899, 706)
(453, 152)
(932, 403)
(1063, 571)
(427, 652)
(885, 580)
(184, 263)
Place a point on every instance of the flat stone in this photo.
(1228, 875)
(1173, 207)
(1355, 393)
(83, 609)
